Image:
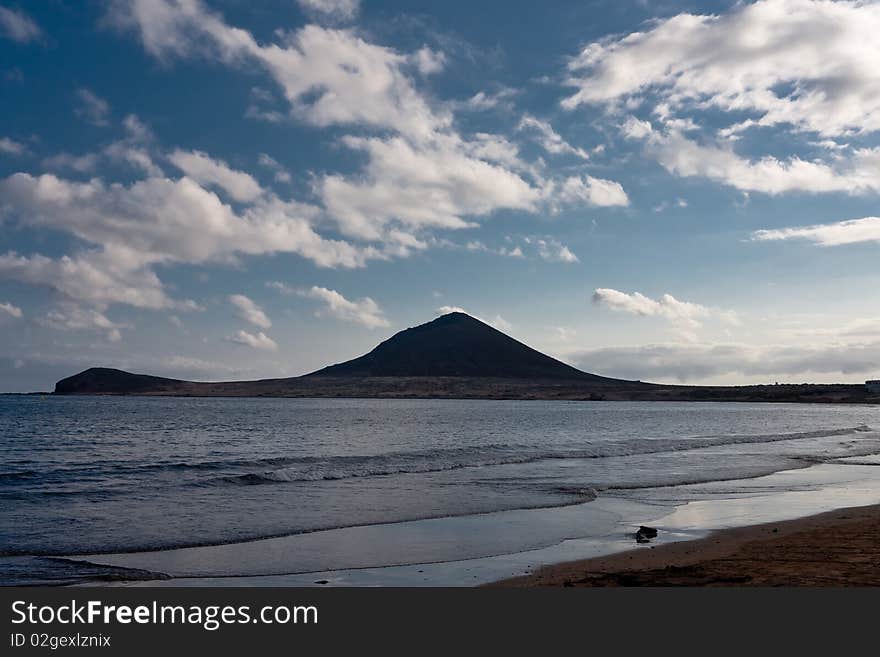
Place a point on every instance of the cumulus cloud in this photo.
(478, 246)
(546, 247)
(554, 251)
(70, 316)
(588, 190)
(91, 107)
(131, 151)
(150, 222)
(86, 163)
(550, 140)
(365, 311)
(428, 186)
(328, 76)
(687, 158)
(280, 174)
(249, 311)
(685, 315)
(18, 26)
(801, 66)
(852, 231)
(689, 363)
(420, 172)
(11, 147)
(11, 310)
(338, 9)
(205, 170)
(483, 101)
(93, 277)
(809, 64)
(429, 61)
(257, 340)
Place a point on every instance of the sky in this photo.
(680, 192)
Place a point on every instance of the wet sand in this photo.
(838, 548)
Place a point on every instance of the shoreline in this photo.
(835, 548)
(819, 401)
(552, 548)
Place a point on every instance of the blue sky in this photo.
(220, 189)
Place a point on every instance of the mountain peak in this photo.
(455, 345)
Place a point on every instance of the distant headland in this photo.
(455, 356)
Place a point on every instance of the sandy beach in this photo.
(837, 548)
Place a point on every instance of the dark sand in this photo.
(838, 548)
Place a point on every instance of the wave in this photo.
(441, 460)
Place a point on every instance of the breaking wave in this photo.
(439, 460)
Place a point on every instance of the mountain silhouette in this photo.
(455, 356)
(455, 344)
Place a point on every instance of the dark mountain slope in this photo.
(104, 380)
(456, 344)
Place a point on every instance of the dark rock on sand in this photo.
(645, 534)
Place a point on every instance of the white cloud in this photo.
(564, 334)
(150, 222)
(483, 101)
(589, 190)
(365, 311)
(131, 151)
(801, 66)
(546, 248)
(808, 64)
(11, 310)
(665, 205)
(263, 106)
(770, 175)
(250, 311)
(550, 140)
(555, 251)
(445, 310)
(92, 277)
(208, 171)
(634, 128)
(689, 363)
(338, 9)
(501, 324)
(92, 108)
(72, 317)
(257, 340)
(685, 315)
(281, 174)
(11, 147)
(429, 61)
(18, 26)
(329, 76)
(852, 231)
(420, 173)
(435, 185)
(86, 163)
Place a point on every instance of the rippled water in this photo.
(100, 474)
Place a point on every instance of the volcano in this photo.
(455, 345)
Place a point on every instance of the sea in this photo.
(82, 477)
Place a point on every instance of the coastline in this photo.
(554, 543)
(834, 548)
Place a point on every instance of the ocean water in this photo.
(87, 475)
